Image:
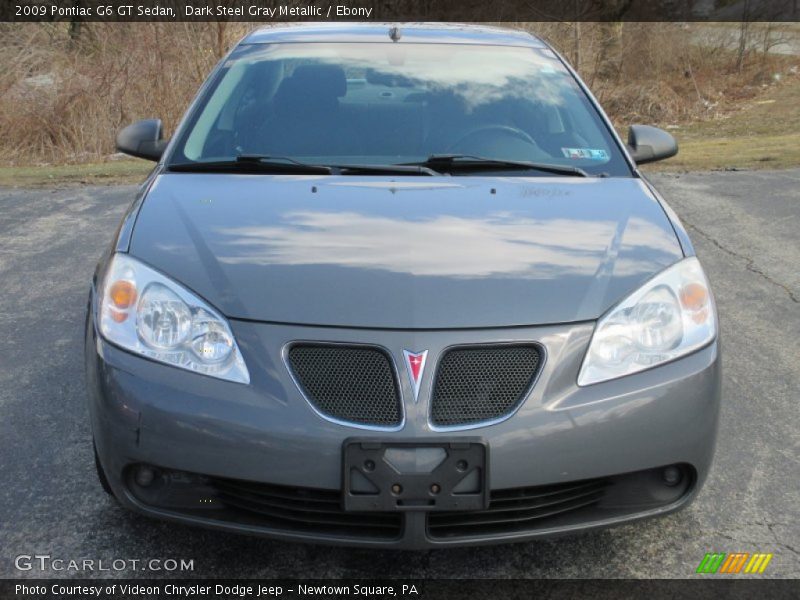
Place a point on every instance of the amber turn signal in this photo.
(694, 298)
(122, 294)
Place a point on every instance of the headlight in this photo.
(145, 312)
(670, 316)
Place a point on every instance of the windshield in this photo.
(395, 103)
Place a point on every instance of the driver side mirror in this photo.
(649, 144)
(143, 139)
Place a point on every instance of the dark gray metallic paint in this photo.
(436, 33)
(677, 224)
(413, 252)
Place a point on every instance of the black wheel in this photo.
(101, 475)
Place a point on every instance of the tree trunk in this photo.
(744, 31)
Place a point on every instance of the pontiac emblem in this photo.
(415, 364)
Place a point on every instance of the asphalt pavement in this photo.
(745, 227)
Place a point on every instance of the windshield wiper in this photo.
(467, 162)
(257, 163)
(253, 163)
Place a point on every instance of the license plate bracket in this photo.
(419, 475)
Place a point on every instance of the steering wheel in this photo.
(502, 129)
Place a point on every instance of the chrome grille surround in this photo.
(471, 378)
(324, 393)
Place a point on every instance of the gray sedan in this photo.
(400, 286)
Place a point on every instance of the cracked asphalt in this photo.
(745, 229)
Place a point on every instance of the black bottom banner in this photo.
(410, 589)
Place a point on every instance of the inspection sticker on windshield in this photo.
(590, 153)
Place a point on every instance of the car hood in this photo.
(405, 252)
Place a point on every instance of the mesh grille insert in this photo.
(481, 383)
(350, 383)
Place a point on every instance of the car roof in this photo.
(434, 33)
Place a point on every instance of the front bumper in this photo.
(199, 431)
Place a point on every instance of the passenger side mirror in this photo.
(649, 144)
(143, 139)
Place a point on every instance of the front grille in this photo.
(300, 509)
(519, 510)
(356, 384)
(482, 383)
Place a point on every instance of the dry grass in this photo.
(670, 73)
(63, 100)
(763, 133)
(114, 172)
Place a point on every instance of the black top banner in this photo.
(400, 10)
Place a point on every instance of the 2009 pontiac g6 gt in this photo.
(400, 286)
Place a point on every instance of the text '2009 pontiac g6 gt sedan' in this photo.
(400, 286)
